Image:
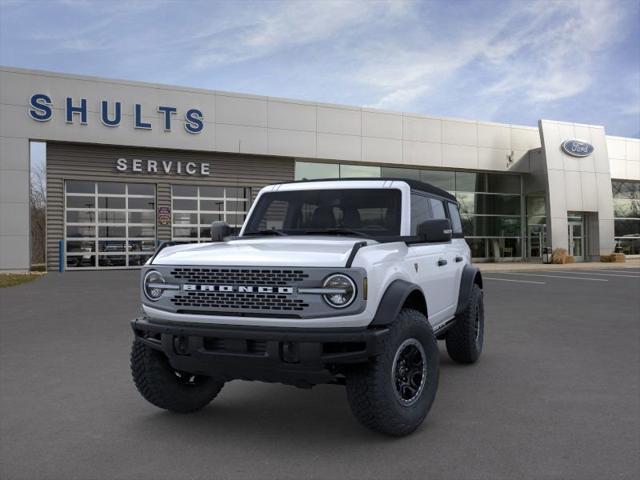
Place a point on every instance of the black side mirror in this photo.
(219, 230)
(436, 231)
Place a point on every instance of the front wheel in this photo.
(167, 388)
(394, 393)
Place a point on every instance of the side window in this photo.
(420, 211)
(454, 215)
(437, 209)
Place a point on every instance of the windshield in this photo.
(361, 212)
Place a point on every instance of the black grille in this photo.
(253, 347)
(237, 301)
(239, 276)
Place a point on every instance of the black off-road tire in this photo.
(167, 388)
(465, 338)
(371, 388)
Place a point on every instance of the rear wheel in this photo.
(394, 393)
(465, 338)
(167, 388)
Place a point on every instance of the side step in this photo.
(442, 328)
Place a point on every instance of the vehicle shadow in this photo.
(268, 411)
(273, 413)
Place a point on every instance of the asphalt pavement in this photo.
(555, 395)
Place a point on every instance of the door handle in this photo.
(459, 259)
(442, 262)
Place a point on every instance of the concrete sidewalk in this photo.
(523, 266)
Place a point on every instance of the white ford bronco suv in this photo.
(349, 282)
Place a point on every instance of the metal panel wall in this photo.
(72, 161)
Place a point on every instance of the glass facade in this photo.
(194, 208)
(626, 212)
(537, 237)
(491, 204)
(109, 224)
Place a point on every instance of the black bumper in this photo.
(301, 357)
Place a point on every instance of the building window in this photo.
(311, 171)
(38, 204)
(626, 212)
(359, 171)
(536, 224)
(315, 171)
(109, 224)
(491, 204)
(195, 208)
(490, 207)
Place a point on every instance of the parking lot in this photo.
(555, 395)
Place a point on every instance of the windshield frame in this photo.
(257, 209)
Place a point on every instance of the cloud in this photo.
(285, 25)
(402, 96)
(407, 74)
(540, 51)
(509, 61)
(553, 57)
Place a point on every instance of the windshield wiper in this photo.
(266, 232)
(337, 231)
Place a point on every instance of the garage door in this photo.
(109, 224)
(194, 208)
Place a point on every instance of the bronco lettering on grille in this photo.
(237, 289)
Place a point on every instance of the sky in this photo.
(507, 62)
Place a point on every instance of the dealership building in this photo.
(95, 172)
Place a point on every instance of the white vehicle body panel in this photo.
(307, 251)
(383, 262)
(437, 280)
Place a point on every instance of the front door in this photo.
(433, 266)
(576, 239)
(536, 240)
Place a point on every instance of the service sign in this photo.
(577, 148)
(162, 167)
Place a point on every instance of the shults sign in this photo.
(41, 109)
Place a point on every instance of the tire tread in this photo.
(460, 339)
(152, 376)
(368, 387)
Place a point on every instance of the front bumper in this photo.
(301, 357)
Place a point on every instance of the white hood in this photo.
(311, 251)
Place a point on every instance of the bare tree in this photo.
(37, 207)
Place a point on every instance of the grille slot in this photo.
(237, 301)
(239, 276)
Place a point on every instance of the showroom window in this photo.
(314, 170)
(491, 204)
(195, 208)
(626, 212)
(490, 207)
(109, 224)
(537, 238)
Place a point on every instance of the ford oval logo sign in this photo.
(577, 148)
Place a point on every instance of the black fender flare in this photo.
(394, 299)
(470, 275)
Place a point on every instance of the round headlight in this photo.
(344, 291)
(151, 287)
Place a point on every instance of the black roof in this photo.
(413, 184)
